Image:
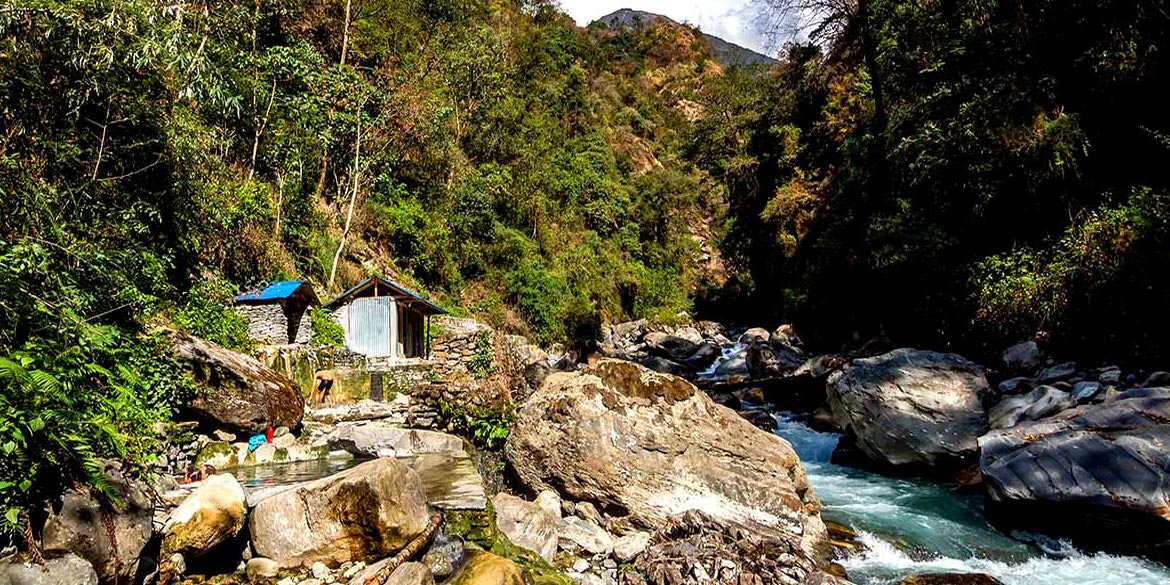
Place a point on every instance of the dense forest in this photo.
(939, 172)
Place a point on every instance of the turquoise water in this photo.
(911, 527)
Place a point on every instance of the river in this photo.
(912, 527)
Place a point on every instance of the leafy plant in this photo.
(482, 363)
(487, 429)
(326, 331)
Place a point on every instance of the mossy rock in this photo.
(478, 529)
(218, 454)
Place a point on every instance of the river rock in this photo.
(1035, 405)
(1022, 357)
(1015, 386)
(1157, 380)
(237, 391)
(707, 354)
(383, 439)
(911, 407)
(736, 365)
(488, 569)
(1086, 391)
(755, 335)
(527, 524)
(66, 570)
(952, 579)
(364, 513)
(75, 525)
(1058, 373)
(260, 568)
(585, 534)
(625, 437)
(405, 574)
(1094, 472)
(628, 547)
(673, 347)
(212, 514)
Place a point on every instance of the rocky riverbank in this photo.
(614, 472)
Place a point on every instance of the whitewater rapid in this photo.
(910, 527)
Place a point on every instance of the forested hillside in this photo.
(955, 173)
(157, 158)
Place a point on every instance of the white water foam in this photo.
(911, 527)
(882, 564)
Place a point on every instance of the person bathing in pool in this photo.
(322, 393)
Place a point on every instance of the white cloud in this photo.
(732, 20)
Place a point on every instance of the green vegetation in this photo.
(482, 363)
(953, 173)
(487, 429)
(326, 331)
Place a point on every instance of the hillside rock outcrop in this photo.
(911, 407)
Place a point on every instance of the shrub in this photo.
(326, 331)
(207, 313)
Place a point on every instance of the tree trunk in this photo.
(357, 153)
(345, 31)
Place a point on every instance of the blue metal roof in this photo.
(274, 292)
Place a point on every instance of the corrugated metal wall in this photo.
(371, 327)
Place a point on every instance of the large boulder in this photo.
(911, 408)
(66, 570)
(238, 392)
(527, 524)
(385, 439)
(361, 514)
(673, 346)
(1098, 473)
(76, 524)
(651, 445)
(211, 515)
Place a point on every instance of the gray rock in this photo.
(365, 513)
(1094, 472)
(1157, 380)
(1042, 402)
(382, 439)
(911, 407)
(672, 347)
(261, 568)
(586, 535)
(1058, 372)
(67, 570)
(526, 524)
(1022, 357)
(623, 437)
(587, 512)
(1015, 386)
(320, 571)
(75, 525)
(733, 366)
(1110, 376)
(1086, 391)
(628, 547)
(755, 335)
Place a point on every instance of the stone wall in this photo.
(267, 324)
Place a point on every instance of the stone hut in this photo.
(277, 312)
(383, 319)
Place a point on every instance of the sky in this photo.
(730, 20)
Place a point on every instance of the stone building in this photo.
(277, 312)
(383, 319)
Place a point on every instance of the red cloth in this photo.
(269, 434)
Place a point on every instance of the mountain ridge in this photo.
(724, 51)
